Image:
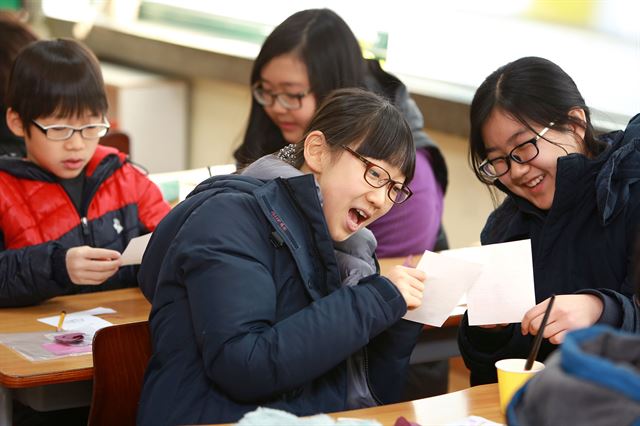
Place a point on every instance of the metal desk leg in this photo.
(6, 407)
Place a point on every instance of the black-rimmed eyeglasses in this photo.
(378, 177)
(62, 132)
(521, 154)
(286, 100)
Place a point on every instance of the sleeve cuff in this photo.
(59, 266)
(611, 310)
(387, 291)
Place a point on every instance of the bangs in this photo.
(390, 139)
(56, 78)
(68, 92)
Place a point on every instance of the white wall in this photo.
(219, 112)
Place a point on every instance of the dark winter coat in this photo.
(39, 222)
(249, 308)
(585, 241)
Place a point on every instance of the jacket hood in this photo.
(620, 171)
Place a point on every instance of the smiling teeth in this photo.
(362, 214)
(534, 182)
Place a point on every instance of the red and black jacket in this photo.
(39, 222)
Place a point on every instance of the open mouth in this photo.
(356, 218)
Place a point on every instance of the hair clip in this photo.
(288, 153)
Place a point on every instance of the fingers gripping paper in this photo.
(497, 279)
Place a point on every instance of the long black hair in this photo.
(533, 91)
(325, 43)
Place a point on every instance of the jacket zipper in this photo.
(88, 195)
(366, 376)
(85, 230)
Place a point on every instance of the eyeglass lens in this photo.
(378, 177)
(287, 100)
(63, 132)
(521, 154)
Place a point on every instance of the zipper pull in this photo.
(85, 226)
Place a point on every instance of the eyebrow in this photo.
(510, 140)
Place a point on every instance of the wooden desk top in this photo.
(18, 372)
(481, 401)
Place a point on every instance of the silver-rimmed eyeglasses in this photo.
(521, 154)
(378, 177)
(62, 132)
(286, 100)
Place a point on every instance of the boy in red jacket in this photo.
(70, 207)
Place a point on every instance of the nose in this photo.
(75, 142)
(517, 170)
(378, 196)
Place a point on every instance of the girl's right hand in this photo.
(91, 266)
(410, 283)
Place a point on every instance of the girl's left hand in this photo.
(570, 311)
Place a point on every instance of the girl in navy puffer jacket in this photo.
(251, 306)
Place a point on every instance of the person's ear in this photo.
(580, 115)
(316, 151)
(14, 123)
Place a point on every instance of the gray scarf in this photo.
(355, 254)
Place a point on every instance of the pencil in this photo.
(538, 339)
(61, 320)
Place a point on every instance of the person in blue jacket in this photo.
(250, 305)
(575, 195)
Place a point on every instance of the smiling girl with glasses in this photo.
(575, 195)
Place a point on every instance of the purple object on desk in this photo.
(402, 421)
(69, 338)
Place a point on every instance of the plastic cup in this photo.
(512, 376)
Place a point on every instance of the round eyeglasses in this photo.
(62, 132)
(266, 98)
(521, 154)
(378, 177)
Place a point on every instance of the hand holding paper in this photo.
(90, 265)
(409, 282)
(497, 278)
(448, 280)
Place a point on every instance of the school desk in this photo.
(33, 379)
(443, 409)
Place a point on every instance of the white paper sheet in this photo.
(132, 255)
(504, 291)
(81, 321)
(448, 279)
